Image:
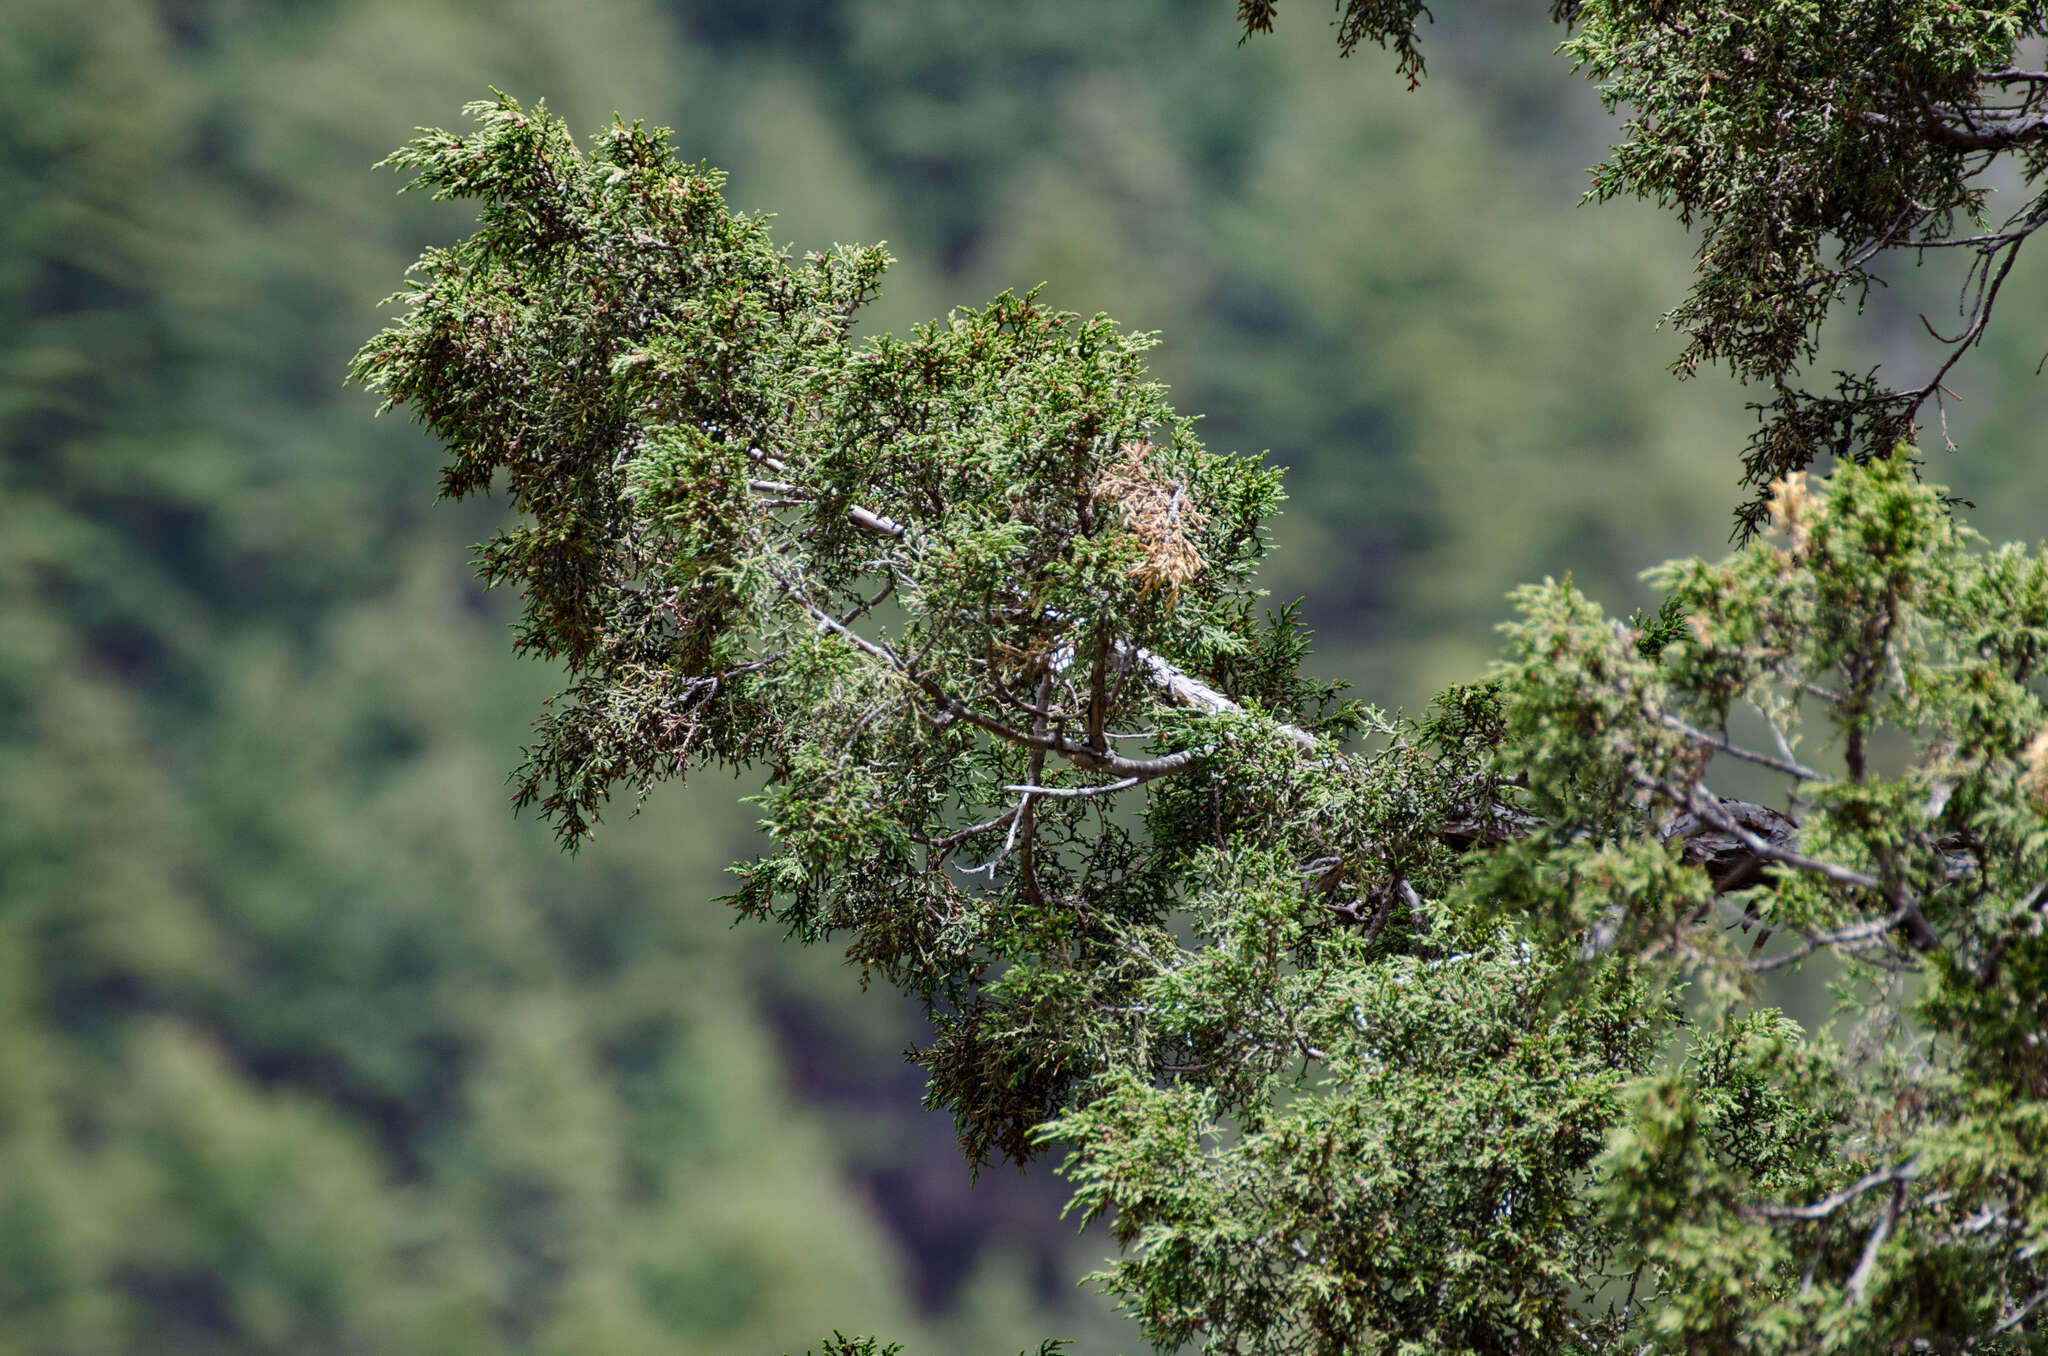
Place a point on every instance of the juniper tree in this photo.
(1366, 1034)
(1812, 145)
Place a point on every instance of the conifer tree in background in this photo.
(1366, 1034)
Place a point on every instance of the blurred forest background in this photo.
(306, 1045)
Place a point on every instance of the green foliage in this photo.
(1913, 841)
(1809, 143)
(1356, 1051)
(715, 360)
(1419, 1181)
(839, 1344)
(1654, 633)
(1389, 23)
(1877, 615)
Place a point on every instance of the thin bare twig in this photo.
(2011, 1320)
(1025, 825)
(1076, 792)
(1196, 693)
(1699, 736)
(1857, 932)
(1827, 1205)
(1859, 1279)
(945, 845)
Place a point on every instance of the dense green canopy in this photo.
(1358, 1049)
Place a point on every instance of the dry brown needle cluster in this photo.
(1789, 503)
(2034, 768)
(1159, 512)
